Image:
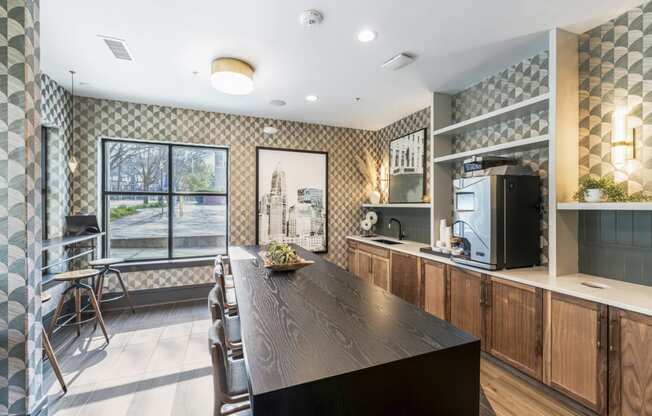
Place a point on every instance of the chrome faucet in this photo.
(400, 228)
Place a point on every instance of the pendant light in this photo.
(72, 161)
(232, 76)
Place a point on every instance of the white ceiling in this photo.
(456, 42)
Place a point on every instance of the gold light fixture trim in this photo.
(232, 76)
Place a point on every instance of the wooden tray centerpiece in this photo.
(281, 257)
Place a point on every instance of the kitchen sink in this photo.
(389, 242)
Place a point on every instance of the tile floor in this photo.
(156, 363)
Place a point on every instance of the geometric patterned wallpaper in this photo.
(95, 118)
(615, 70)
(20, 202)
(519, 82)
(56, 115)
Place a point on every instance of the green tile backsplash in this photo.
(617, 245)
(415, 223)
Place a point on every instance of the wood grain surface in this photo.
(321, 323)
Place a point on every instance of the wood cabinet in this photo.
(406, 277)
(578, 339)
(435, 289)
(630, 363)
(514, 324)
(372, 265)
(352, 257)
(466, 301)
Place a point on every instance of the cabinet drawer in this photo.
(376, 251)
(352, 244)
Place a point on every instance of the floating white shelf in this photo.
(516, 145)
(407, 205)
(605, 206)
(511, 111)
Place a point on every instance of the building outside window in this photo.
(164, 201)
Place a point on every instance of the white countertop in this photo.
(628, 296)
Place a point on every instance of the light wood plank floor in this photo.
(158, 364)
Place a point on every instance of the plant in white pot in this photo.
(600, 190)
(368, 168)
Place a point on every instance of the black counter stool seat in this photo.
(231, 323)
(105, 266)
(230, 379)
(75, 279)
(49, 352)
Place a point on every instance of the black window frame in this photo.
(170, 194)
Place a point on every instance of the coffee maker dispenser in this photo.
(496, 218)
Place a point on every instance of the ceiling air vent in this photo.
(398, 61)
(118, 48)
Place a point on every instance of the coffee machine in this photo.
(496, 218)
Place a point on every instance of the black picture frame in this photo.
(260, 149)
(425, 166)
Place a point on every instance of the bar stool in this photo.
(229, 377)
(231, 323)
(49, 351)
(105, 267)
(74, 278)
(227, 292)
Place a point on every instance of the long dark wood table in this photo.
(320, 341)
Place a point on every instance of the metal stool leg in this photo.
(98, 312)
(124, 288)
(49, 351)
(78, 308)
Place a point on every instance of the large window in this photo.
(163, 201)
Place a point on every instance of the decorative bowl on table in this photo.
(281, 257)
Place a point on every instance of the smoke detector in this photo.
(311, 18)
(398, 61)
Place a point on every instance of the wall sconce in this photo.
(623, 145)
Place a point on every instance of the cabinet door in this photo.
(381, 272)
(365, 266)
(515, 325)
(578, 362)
(466, 301)
(435, 282)
(630, 363)
(406, 279)
(352, 260)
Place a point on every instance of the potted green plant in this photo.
(600, 189)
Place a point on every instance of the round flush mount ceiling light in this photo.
(277, 103)
(366, 35)
(311, 98)
(232, 76)
(269, 130)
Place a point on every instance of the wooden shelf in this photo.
(524, 107)
(516, 145)
(605, 206)
(410, 205)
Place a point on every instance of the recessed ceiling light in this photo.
(232, 76)
(366, 35)
(277, 103)
(312, 98)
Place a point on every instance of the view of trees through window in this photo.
(164, 200)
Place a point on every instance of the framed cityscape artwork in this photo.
(292, 197)
(407, 162)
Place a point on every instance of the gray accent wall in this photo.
(617, 245)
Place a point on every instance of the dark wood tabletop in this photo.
(320, 322)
